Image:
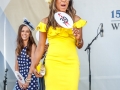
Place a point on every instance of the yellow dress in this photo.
(62, 62)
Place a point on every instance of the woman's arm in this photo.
(36, 56)
(17, 69)
(38, 52)
(29, 74)
(16, 63)
(78, 34)
(79, 41)
(32, 53)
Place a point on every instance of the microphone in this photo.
(6, 70)
(101, 30)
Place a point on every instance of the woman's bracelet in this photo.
(28, 80)
(30, 73)
(79, 43)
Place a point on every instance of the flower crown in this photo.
(48, 1)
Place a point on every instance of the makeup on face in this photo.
(62, 5)
(25, 33)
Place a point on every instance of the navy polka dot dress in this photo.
(24, 63)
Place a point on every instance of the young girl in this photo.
(24, 56)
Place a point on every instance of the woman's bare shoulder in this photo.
(77, 18)
(45, 20)
(33, 46)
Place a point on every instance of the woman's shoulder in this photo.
(78, 22)
(76, 18)
(34, 45)
(45, 20)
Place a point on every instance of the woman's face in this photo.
(25, 33)
(62, 5)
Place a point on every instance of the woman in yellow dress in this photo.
(62, 62)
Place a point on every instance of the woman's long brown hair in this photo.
(51, 21)
(20, 44)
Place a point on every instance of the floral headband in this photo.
(48, 1)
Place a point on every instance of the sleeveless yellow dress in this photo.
(62, 62)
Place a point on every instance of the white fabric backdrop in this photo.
(105, 58)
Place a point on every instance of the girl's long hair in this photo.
(20, 44)
(51, 21)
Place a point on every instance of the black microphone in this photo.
(101, 30)
(6, 70)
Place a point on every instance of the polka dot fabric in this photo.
(24, 63)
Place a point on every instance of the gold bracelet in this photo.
(30, 73)
(28, 80)
(80, 42)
